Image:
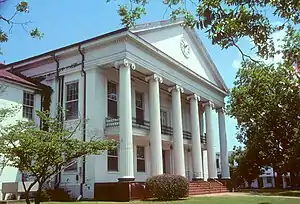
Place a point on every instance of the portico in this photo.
(128, 71)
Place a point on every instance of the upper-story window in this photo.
(72, 101)
(139, 106)
(140, 159)
(28, 105)
(71, 166)
(218, 163)
(112, 100)
(112, 160)
(164, 117)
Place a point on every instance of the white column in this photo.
(223, 144)
(210, 134)
(177, 130)
(196, 140)
(126, 138)
(155, 126)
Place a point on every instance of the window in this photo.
(112, 101)
(71, 166)
(28, 103)
(139, 108)
(112, 160)
(72, 101)
(218, 163)
(164, 117)
(140, 159)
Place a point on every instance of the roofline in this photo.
(208, 57)
(174, 61)
(66, 47)
(148, 27)
(156, 25)
(20, 83)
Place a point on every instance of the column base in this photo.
(126, 179)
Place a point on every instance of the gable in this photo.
(168, 39)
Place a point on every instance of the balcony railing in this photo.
(136, 123)
(166, 130)
(187, 135)
(203, 139)
(144, 124)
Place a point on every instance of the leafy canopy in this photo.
(225, 21)
(265, 101)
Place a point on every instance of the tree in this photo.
(21, 7)
(265, 100)
(248, 166)
(226, 21)
(42, 154)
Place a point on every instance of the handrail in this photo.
(221, 184)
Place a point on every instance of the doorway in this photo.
(166, 161)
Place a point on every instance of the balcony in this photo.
(144, 126)
(136, 123)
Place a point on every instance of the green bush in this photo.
(58, 194)
(167, 187)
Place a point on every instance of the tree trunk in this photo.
(249, 184)
(26, 194)
(37, 199)
(276, 175)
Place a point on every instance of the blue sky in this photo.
(67, 21)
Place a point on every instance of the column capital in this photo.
(124, 63)
(194, 96)
(176, 88)
(220, 110)
(154, 77)
(208, 103)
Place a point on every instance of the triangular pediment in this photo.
(171, 38)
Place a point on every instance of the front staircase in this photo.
(207, 187)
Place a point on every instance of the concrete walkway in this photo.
(243, 194)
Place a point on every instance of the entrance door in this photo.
(166, 161)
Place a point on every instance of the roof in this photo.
(14, 78)
(167, 23)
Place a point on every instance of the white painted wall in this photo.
(12, 96)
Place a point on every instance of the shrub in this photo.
(58, 194)
(167, 187)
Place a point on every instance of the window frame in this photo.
(138, 108)
(68, 169)
(140, 159)
(161, 117)
(111, 99)
(217, 163)
(26, 106)
(72, 116)
(113, 156)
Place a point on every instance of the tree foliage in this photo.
(265, 101)
(21, 7)
(226, 21)
(42, 154)
(248, 166)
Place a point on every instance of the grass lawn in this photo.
(218, 200)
